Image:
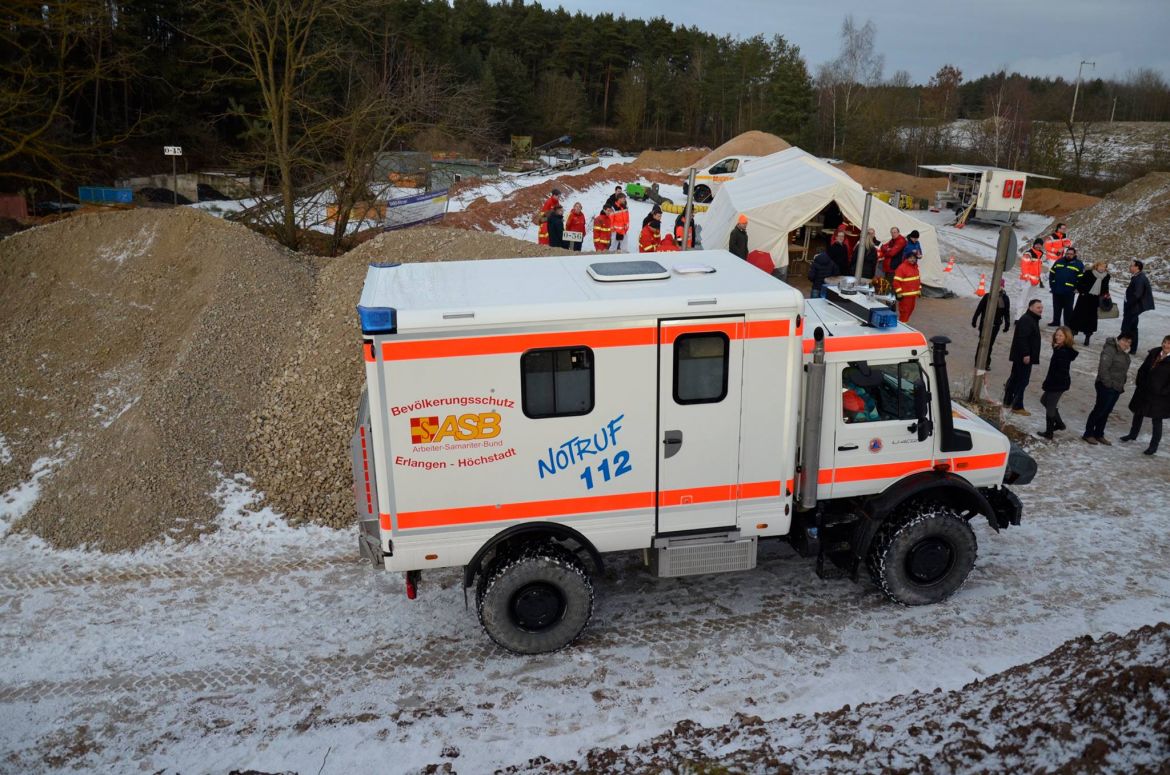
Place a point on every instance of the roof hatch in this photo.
(626, 271)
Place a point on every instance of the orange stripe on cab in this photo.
(876, 341)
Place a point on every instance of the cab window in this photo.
(879, 391)
(725, 167)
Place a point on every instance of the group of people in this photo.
(896, 259)
(609, 227)
(1151, 397)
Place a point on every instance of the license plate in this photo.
(573, 236)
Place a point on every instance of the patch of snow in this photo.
(5, 451)
(19, 499)
(128, 249)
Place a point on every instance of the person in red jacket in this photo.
(553, 201)
(603, 230)
(574, 225)
(648, 240)
(907, 286)
(620, 219)
(890, 253)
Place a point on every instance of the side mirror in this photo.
(922, 410)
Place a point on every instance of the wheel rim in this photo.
(537, 606)
(929, 560)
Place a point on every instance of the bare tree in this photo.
(844, 79)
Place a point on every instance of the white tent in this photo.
(785, 190)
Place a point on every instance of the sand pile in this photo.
(1132, 222)
(753, 143)
(1050, 201)
(885, 180)
(134, 343)
(519, 206)
(299, 440)
(1086, 707)
(670, 161)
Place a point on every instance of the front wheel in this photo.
(924, 557)
(703, 194)
(536, 602)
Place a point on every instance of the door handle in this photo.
(846, 447)
(672, 440)
(913, 427)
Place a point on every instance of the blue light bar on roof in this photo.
(883, 318)
(378, 320)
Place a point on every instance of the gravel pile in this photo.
(135, 343)
(1089, 706)
(1132, 222)
(750, 143)
(299, 439)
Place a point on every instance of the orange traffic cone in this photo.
(982, 289)
(950, 265)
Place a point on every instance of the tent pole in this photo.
(863, 240)
(688, 213)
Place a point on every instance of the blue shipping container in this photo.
(105, 196)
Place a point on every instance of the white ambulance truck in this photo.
(523, 417)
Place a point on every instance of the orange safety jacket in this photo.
(648, 240)
(602, 230)
(907, 280)
(1030, 265)
(1055, 246)
(542, 233)
(621, 221)
(668, 244)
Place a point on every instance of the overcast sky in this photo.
(1035, 37)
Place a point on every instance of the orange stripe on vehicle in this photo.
(879, 341)
(767, 329)
(527, 510)
(515, 343)
(759, 490)
(718, 493)
(880, 471)
(384, 521)
(368, 351)
(731, 330)
(973, 462)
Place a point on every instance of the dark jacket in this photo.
(1003, 312)
(737, 242)
(1151, 395)
(1064, 275)
(822, 268)
(1026, 340)
(869, 263)
(556, 228)
(1138, 296)
(1084, 314)
(1113, 368)
(840, 255)
(1059, 379)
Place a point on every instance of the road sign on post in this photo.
(173, 151)
(1004, 252)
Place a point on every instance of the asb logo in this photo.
(462, 427)
(875, 445)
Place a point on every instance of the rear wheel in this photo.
(536, 602)
(925, 557)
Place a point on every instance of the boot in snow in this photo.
(1059, 423)
(1049, 426)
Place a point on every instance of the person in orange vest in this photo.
(680, 225)
(651, 224)
(1031, 263)
(907, 286)
(620, 220)
(603, 229)
(542, 217)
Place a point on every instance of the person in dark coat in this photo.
(1003, 318)
(556, 227)
(1151, 395)
(737, 242)
(821, 269)
(1058, 380)
(869, 264)
(1062, 281)
(1092, 287)
(1139, 298)
(1112, 372)
(1025, 354)
(839, 252)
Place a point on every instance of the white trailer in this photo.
(987, 194)
(523, 417)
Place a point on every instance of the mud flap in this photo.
(1006, 508)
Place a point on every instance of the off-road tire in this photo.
(703, 194)
(554, 577)
(927, 537)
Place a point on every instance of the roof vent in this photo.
(625, 271)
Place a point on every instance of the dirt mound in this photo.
(519, 207)
(299, 442)
(753, 143)
(1089, 706)
(1132, 222)
(1050, 201)
(670, 161)
(885, 180)
(134, 342)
